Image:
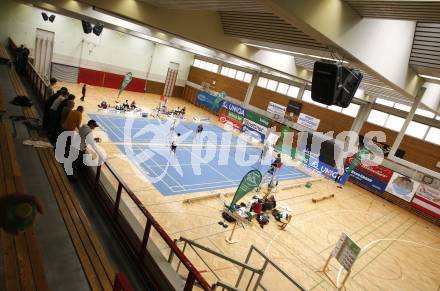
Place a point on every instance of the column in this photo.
(250, 89)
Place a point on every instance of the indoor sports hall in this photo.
(219, 145)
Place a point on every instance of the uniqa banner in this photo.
(326, 170)
(127, 79)
(255, 117)
(208, 100)
(249, 182)
(233, 107)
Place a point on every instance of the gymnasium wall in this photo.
(233, 88)
(416, 150)
(111, 53)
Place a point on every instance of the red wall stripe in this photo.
(109, 80)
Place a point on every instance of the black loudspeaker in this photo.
(351, 79)
(52, 18)
(98, 28)
(334, 84)
(87, 27)
(44, 15)
(325, 82)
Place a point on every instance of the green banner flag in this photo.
(235, 116)
(358, 158)
(249, 182)
(258, 118)
(127, 79)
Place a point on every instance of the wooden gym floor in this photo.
(400, 250)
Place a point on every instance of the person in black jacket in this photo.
(63, 91)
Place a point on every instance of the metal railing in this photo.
(38, 83)
(121, 283)
(151, 223)
(40, 87)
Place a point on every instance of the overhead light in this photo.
(430, 77)
(294, 53)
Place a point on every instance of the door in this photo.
(43, 52)
(170, 80)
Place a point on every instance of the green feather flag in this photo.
(127, 79)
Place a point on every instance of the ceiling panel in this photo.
(212, 5)
(426, 46)
(408, 10)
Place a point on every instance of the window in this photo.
(272, 85)
(377, 117)
(416, 129)
(433, 135)
(307, 96)
(394, 123)
(282, 88)
(437, 117)
(402, 107)
(236, 74)
(385, 102)
(262, 82)
(239, 75)
(335, 108)
(205, 65)
(352, 110)
(224, 71)
(231, 73)
(247, 77)
(293, 91)
(425, 113)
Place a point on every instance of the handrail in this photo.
(193, 272)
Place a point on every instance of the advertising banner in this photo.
(233, 107)
(327, 171)
(427, 199)
(249, 182)
(230, 122)
(208, 100)
(255, 126)
(381, 173)
(402, 187)
(308, 121)
(255, 117)
(236, 117)
(253, 133)
(276, 108)
(367, 180)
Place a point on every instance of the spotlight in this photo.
(87, 27)
(45, 17)
(98, 28)
(52, 18)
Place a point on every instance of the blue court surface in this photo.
(214, 160)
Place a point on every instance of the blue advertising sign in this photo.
(325, 170)
(208, 100)
(253, 133)
(368, 180)
(233, 107)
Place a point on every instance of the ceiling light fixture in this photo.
(294, 53)
(430, 77)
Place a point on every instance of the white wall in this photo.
(113, 51)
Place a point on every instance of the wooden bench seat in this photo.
(94, 261)
(22, 262)
(20, 90)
